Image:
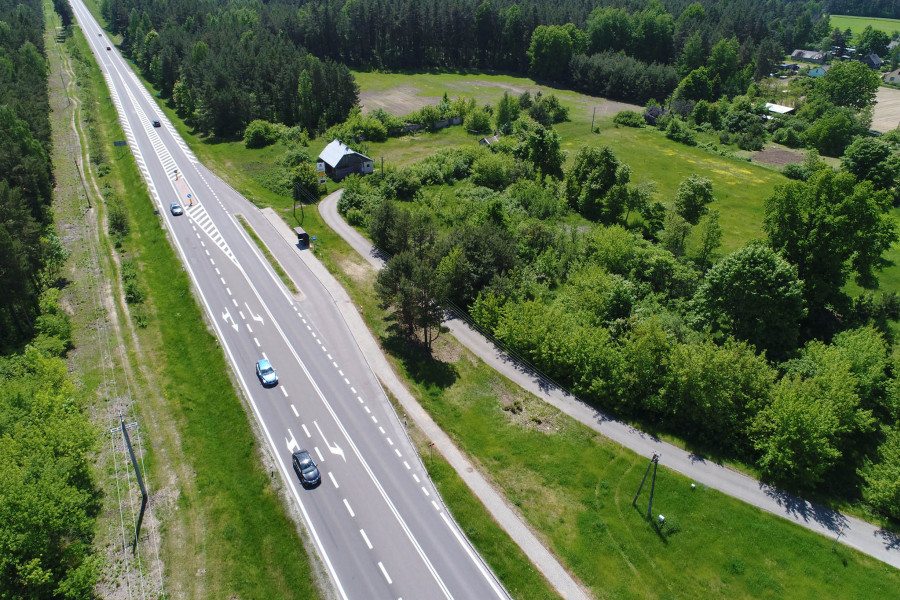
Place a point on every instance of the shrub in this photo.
(295, 155)
(478, 121)
(495, 171)
(629, 118)
(117, 220)
(679, 131)
(295, 136)
(260, 134)
(795, 171)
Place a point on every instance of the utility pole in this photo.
(592, 119)
(654, 462)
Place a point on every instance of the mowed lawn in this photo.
(857, 24)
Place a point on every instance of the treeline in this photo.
(48, 500)
(27, 248)
(888, 9)
(227, 65)
(759, 354)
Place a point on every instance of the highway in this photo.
(376, 520)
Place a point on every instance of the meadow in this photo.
(857, 24)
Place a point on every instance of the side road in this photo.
(856, 533)
(282, 242)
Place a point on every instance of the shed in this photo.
(809, 56)
(779, 109)
(873, 61)
(341, 161)
(487, 141)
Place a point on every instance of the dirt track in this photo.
(887, 110)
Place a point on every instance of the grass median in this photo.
(226, 531)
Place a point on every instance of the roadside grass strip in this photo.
(235, 518)
(272, 260)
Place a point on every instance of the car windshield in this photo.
(266, 369)
(310, 469)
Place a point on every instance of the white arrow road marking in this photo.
(336, 449)
(255, 317)
(292, 443)
(226, 316)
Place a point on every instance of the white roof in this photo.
(778, 108)
(336, 150)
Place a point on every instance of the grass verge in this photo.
(226, 532)
(575, 487)
(265, 250)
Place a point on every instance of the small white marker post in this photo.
(840, 533)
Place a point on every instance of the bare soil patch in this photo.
(777, 157)
(886, 115)
(397, 101)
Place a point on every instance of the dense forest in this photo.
(888, 9)
(26, 177)
(225, 65)
(48, 499)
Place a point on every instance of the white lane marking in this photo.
(217, 271)
(366, 538)
(320, 343)
(304, 320)
(243, 318)
(329, 357)
(347, 381)
(321, 458)
(336, 450)
(334, 364)
(374, 419)
(226, 316)
(292, 443)
(222, 279)
(294, 408)
(406, 464)
(233, 300)
(305, 430)
(381, 429)
(264, 356)
(202, 245)
(199, 238)
(397, 452)
(207, 252)
(212, 261)
(426, 491)
(229, 292)
(385, 573)
(367, 410)
(360, 399)
(416, 477)
(333, 480)
(257, 342)
(435, 505)
(349, 510)
(462, 542)
(314, 334)
(390, 441)
(252, 316)
(341, 373)
(283, 391)
(352, 389)
(250, 329)
(309, 328)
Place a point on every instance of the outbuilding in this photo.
(340, 161)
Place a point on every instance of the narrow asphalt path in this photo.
(856, 533)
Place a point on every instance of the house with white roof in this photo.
(340, 161)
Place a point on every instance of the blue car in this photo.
(266, 373)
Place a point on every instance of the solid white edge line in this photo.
(468, 549)
(259, 419)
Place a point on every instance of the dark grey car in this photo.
(306, 469)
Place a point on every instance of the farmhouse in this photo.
(873, 61)
(892, 77)
(341, 161)
(808, 56)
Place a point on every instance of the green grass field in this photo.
(857, 24)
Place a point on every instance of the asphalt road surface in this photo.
(376, 520)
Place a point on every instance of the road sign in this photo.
(120, 143)
(320, 167)
(322, 181)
